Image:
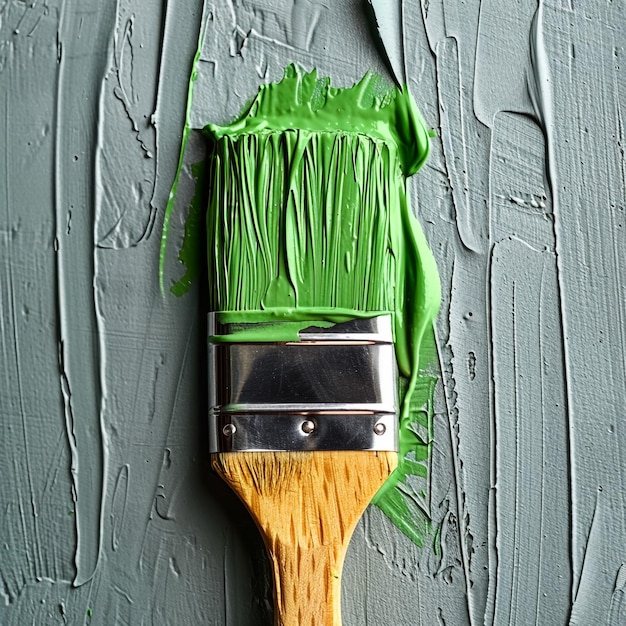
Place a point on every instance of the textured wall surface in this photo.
(108, 514)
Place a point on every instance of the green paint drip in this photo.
(308, 213)
(410, 512)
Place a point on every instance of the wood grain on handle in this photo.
(306, 505)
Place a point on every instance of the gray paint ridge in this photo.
(79, 341)
(540, 87)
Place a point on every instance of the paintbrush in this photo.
(319, 292)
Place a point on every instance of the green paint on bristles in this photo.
(308, 221)
(308, 210)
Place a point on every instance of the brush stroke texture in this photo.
(523, 204)
(532, 521)
(37, 522)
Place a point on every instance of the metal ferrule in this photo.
(333, 389)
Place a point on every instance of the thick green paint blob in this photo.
(261, 332)
(308, 219)
(369, 108)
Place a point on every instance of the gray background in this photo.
(108, 514)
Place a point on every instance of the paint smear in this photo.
(308, 219)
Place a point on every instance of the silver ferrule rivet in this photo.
(308, 426)
(229, 430)
(380, 428)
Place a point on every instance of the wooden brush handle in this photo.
(306, 505)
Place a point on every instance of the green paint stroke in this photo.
(308, 212)
(186, 255)
(402, 503)
(189, 254)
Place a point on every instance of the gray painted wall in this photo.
(108, 514)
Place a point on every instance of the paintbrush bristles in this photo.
(306, 505)
(304, 219)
